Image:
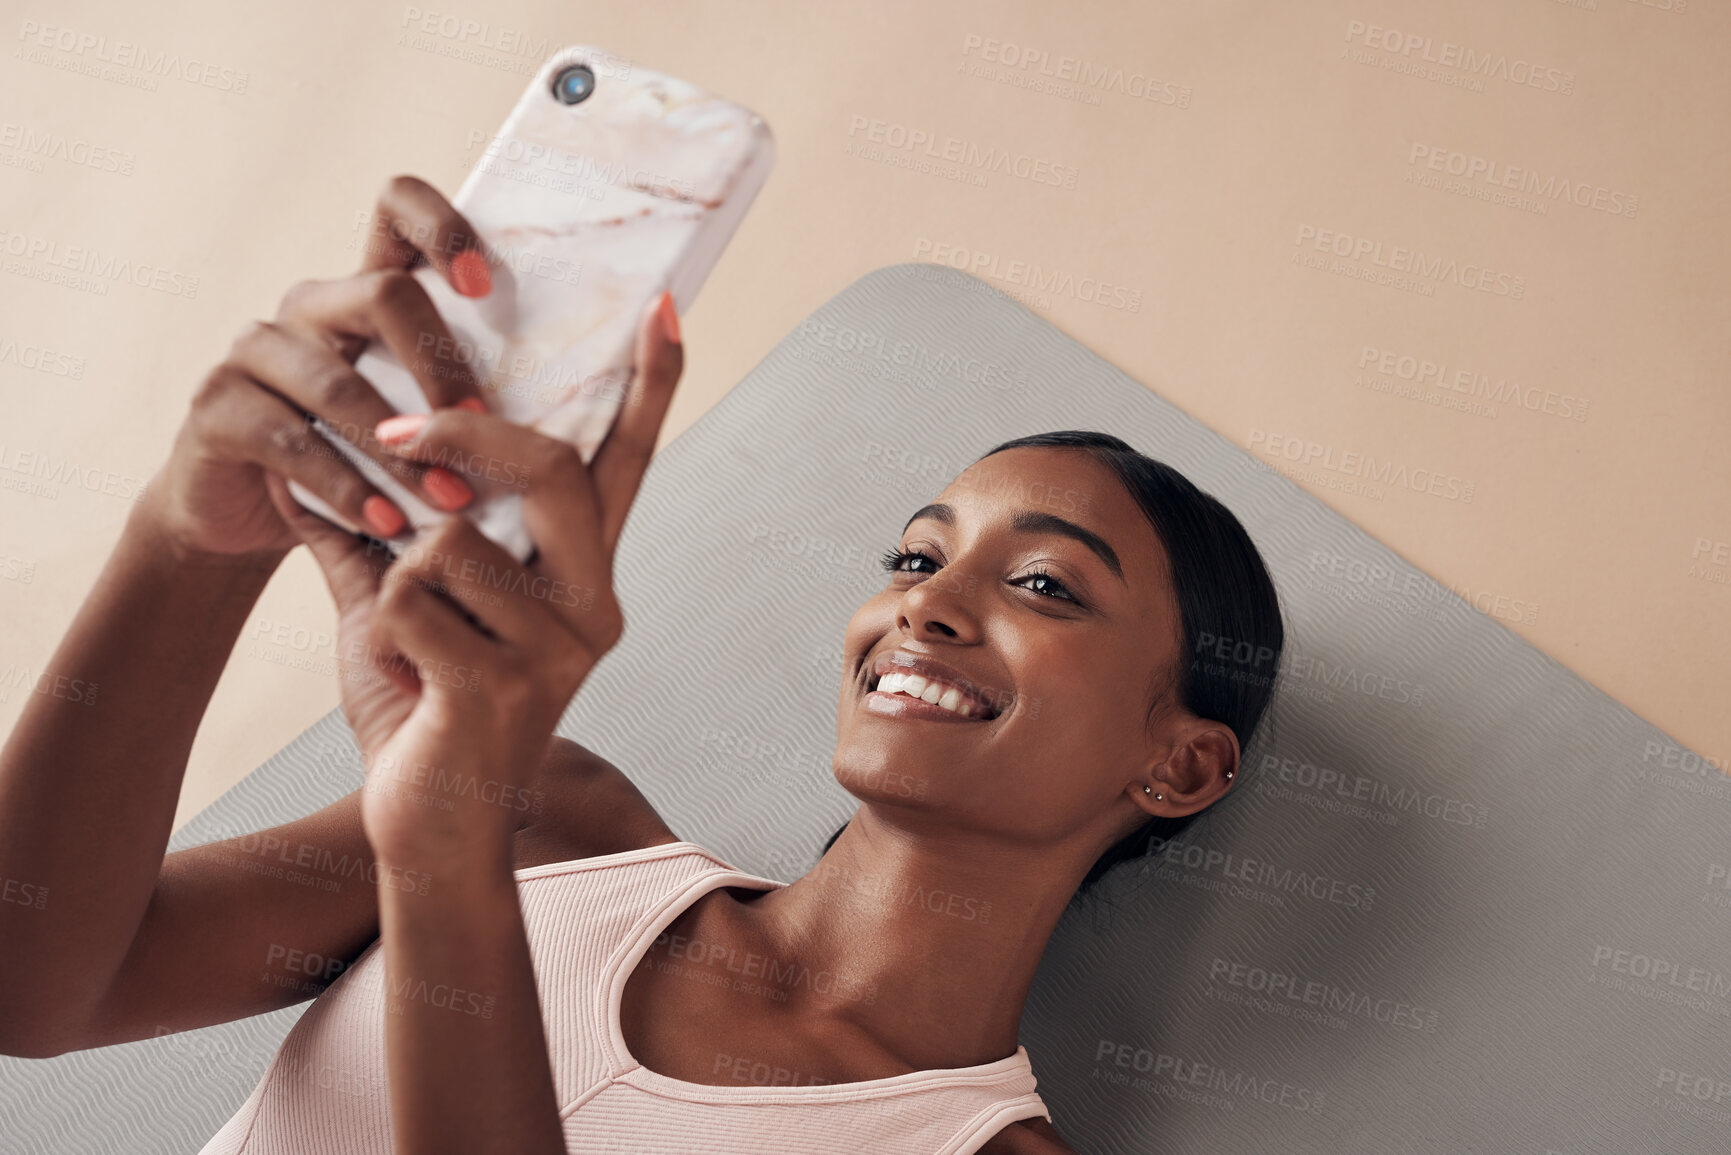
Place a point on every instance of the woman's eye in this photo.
(1054, 587)
(894, 560)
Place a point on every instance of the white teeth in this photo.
(926, 690)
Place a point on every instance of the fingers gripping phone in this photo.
(606, 185)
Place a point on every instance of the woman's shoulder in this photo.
(583, 806)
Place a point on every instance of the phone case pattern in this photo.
(586, 213)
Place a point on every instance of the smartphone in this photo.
(607, 185)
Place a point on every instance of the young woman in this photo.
(1029, 699)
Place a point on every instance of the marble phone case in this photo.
(586, 212)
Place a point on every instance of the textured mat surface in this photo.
(1461, 900)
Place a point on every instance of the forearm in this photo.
(91, 773)
(465, 1047)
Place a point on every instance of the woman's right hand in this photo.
(252, 412)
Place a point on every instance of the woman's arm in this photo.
(466, 1051)
(492, 652)
(91, 774)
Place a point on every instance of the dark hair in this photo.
(1226, 605)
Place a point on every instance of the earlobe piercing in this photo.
(1150, 790)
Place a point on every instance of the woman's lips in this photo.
(924, 676)
(909, 707)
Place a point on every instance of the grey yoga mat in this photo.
(1460, 900)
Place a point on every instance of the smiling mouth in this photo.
(914, 695)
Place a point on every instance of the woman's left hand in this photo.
(452, 759)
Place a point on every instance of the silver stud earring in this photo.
(1147, 789)
(1229, 773)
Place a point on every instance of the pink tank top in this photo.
(589, 923)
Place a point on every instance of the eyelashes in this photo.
(893, 560)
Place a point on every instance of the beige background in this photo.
(1269, 125)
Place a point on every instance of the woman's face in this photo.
(1064, 664)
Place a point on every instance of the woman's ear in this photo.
(1200, 768)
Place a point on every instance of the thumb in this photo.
(353, 565)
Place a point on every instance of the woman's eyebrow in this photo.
(1033, 521)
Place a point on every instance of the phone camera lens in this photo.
(574, 85)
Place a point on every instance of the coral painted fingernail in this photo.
(447, 490)
(669, 318)
(400, 428)
(470, 274)
(384, 517)
(472, 404)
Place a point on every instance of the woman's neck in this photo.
(927, 945)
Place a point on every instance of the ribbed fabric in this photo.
(589, 922)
